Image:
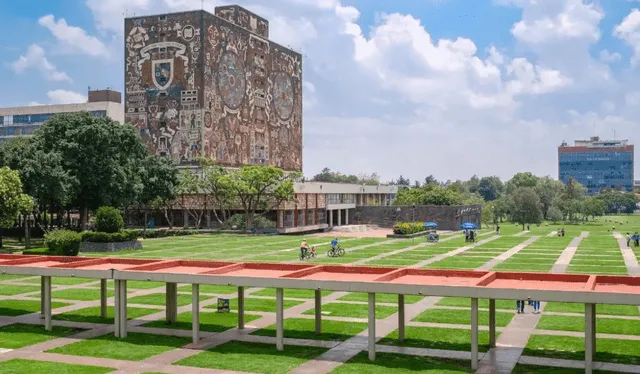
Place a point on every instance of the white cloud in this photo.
(536, 80)
(609, 57)
(36, 59)
(74, 38)
(65, 97)
(629, 31)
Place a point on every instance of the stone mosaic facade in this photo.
(198, 84)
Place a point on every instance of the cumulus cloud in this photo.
(35, 59)
(73, 38)
(629, 31)
(65, 97)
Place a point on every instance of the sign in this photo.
(223, 305)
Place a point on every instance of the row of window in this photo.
(38, 118)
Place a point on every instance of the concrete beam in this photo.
(195, 312)
(401, 315)
(372, 326)
(474, 333)
(318, 311)
(42, 297)
(280, 319)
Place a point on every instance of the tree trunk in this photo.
(27, 236)
(523, 227)
(84, 217)
(0, 241)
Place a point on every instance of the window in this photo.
(99, 113)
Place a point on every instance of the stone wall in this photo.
(110, 247)
(447, 217)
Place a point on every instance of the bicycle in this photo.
(337, 252)
(308, 254)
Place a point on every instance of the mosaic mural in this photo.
(197, 84)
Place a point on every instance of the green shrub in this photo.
(157, 233)
(103, 237)
(408, 228)
(109, 220)
(63, 242)
(239, 222)
(38, 251)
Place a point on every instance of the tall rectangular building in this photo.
(199, 84)
(597, 164)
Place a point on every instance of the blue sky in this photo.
(412, 87)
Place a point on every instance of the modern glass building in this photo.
(597, 164)
(23, 121)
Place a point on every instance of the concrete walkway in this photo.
(403, 250)
(567, 255)
(630, 260)
(511, 343)
(442, 256)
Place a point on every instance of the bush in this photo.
(104, 237)
(63, 242)
(239, 222)
(408, 228)
(38, 252)
(109, 220)
(152, 234)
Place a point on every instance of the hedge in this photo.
(38, 251)
(103, 237)
(63, 242)
(408, 228)
(156, 233)
(109, 220)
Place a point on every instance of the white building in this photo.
(24, 120)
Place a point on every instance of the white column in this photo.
(41, 297)
(401, 318)
(589, 336)
(339, 217)
(331, 218)
(195, 313)
(474, 334)
(240, 308)
(346, 216)
(492, 323)
(279, 319)
(117, 301)
(47, 303)
(372, 326)
(171, 302)
(103, 298)
(123, 309)
(318, 312)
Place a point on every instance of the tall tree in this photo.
(526, 179)
(592, 206)
(216, 185)
(260, 189)
(472, 184)
(547, 189)
(525, 207)
(431, 180)
(160, 180)
(12, 200)
(490, 188)
(402, 181)
(102, 158)
(189, 191)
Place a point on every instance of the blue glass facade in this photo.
(598, 169)
(26, 124)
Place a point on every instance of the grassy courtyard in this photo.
(437, 323)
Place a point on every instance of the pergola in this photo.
(576, 288)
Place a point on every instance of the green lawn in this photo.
(20, 366)
(63, 281)
(572, 348)
(532, 369)
(81, 294)
(10, 290)
(258, 305)
(160, 299)
(21, 335)
(14, 308)
(381, 298)
(615, 310)
(603, 325)
(438, 338)
(211, 288)
(210, 322)
(252, 357)
(482, 303)
(135, 347)
(391, 363)
(92, 314)
(291, 293)
(353, 310)
(304, 328)
(462, 317)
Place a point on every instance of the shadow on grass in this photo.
(579, 355)
(397, 362)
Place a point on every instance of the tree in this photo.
(521, 180)
(547, 189)
(593, 207)
(472, 184)
(12, 200)
(260, 189)
(487, 217)
(431, 180)
(416, 184)
(160, 181)
(216, 185)
(402, 181)
(525, 207)
(102, 158)
(554, 214)
(328, 176)
(618, 202)
(490, 188)
(189, 189)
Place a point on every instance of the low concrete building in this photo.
(24, 120)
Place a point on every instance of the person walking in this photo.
(520, 306)
(536, 306)
(497, 229)
(628, 240)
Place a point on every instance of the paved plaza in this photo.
(437, 335)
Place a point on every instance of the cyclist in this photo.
(303, 248)
(334, 243)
